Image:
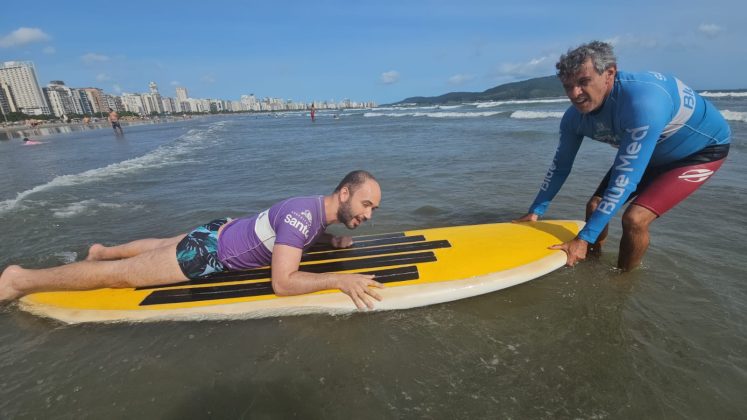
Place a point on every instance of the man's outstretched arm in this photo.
(287, 280)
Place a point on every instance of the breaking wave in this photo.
(166, 155)
(724, 94)
(518, 101)
(734, 115)
(434, 114)
(533, 115)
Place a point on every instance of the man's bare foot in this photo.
(96, 252)
(7, 292)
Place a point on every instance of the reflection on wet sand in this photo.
(48, 129)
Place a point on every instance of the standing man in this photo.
(313, 110)
(277, 237)
(669, 139)
(114, 120)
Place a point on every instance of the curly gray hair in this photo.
(601, 55)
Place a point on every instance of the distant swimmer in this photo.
(669, 141)
(276, 237)
(114, 119)
(28, 142)
(313, 111)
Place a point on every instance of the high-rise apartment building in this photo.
(152, 100)
(181, 103)
(7, 102)
(96, 98)
(21, 77)
(133, 102)
(181, 94)
(60, 98)
(81, 103)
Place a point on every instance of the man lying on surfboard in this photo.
(277, 237)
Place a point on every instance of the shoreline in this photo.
(8, 133)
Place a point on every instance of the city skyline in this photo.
(382, 52)
(20, 91)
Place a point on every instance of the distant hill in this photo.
(539, 87)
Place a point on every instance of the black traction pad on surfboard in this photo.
(378, 251)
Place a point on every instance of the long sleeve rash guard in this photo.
(652, 119)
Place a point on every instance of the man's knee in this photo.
(637, 218)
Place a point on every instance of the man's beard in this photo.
(345, 214)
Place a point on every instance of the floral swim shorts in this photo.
(197, 253)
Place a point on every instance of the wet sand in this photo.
(10, 132)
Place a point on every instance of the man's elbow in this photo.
(281, 287)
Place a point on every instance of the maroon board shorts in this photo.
(663, 187)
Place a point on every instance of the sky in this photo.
(382, 51)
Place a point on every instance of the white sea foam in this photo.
(724, 94)
(493, 104)
(449, 106)
(66, 257)
(530, 115)
(409, 107)
(162, 156)
(734, 115)
(434, 114)
(87, 207)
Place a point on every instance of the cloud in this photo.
(116, 88)
(23, 36)
(710, 30)
(208, 79)
(91, 58)
(535, 67)
(389, 77)
(102, 77)
(459, 79)
(633, 41)
(175, 83)
(49, 50)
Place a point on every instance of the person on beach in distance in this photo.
(313, 111)
(669, 139)
(114, 120)
(275, 237)
(28, 142)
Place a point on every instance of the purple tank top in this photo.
(247, 242)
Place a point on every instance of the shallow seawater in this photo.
(665, 341)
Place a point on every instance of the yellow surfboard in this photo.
(419, 267)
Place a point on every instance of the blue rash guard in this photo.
(652, 119)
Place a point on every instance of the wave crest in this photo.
(493, 104)
(435, 114)
(724, 94)
(166, 155)
(734, 115)
(533, 115)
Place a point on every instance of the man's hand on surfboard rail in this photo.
(360, 288)
(529, 217)
(575, 249)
